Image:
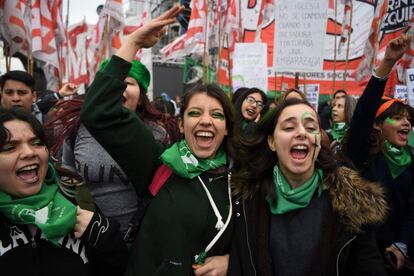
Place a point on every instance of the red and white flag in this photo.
(266, 16)
(192, 42)
(407, 60)
(48, 36)
(77, 58)
(364, 69)
(107, 34)
(47, 30)
(15, 25)
(346, 24)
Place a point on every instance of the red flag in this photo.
(346, 24)
(365, 67)
(15, 25)
(78, 70)
(48, 35)
(192, 42)
(107, 34)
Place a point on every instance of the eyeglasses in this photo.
(252, 100)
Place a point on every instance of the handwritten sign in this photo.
(400, 92)
(250, 66)
(299, 35)
(312, 93)
(410, 86)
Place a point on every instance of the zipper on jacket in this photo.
(33, 242)
(340, 251)
(247, 240)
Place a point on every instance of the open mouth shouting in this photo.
(28, 174)
(403, 134)
(204, 139)
(299, 152)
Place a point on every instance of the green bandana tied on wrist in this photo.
(338, 131)
(182, 161)
(49, 210)
(288, 199)
(397, 159)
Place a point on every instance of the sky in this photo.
(78, 9)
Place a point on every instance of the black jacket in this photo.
(399, 192)
(347, 245)
(100, 251)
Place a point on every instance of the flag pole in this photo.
(219, 49)
(205, 54)
(7, 55)
(68, 43)
(228, 66)
(335, 47)
(348, 47)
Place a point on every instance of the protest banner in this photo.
(299, 35)
(400, 92)
(312, 93)
(250, 66)
(410, 86)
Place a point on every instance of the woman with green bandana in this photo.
(111, 189)
(297, 213)
(186, 229)
(377, 147)
(342, 111)
(41, 232)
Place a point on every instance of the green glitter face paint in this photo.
(302, 118)
(218, 115)
(193, 113)
(390, 121)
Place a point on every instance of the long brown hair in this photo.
(255, 161)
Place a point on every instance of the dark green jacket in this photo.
(179, 222)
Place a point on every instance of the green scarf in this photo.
(182, 161)
(52, 213)
(288, 199)
(338, 131)
(397, 159)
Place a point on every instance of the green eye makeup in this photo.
(218, 115)
(390, 121)
(193, 113)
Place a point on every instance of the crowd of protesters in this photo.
(207, 184)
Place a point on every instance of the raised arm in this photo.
(148, 35)
(364, 115)
(123, 135)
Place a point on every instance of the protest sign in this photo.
(299, 35)
(250, 66)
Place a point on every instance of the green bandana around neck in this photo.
(338, 131)
(49, 210)
(288, 199)
(397, 159)
(182, 161)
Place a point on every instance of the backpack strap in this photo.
(160, 177)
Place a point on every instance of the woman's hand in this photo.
(395, 50)
(400, 258)
(149, 34)
(68, 89)
(83, 217)
(213, 266)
